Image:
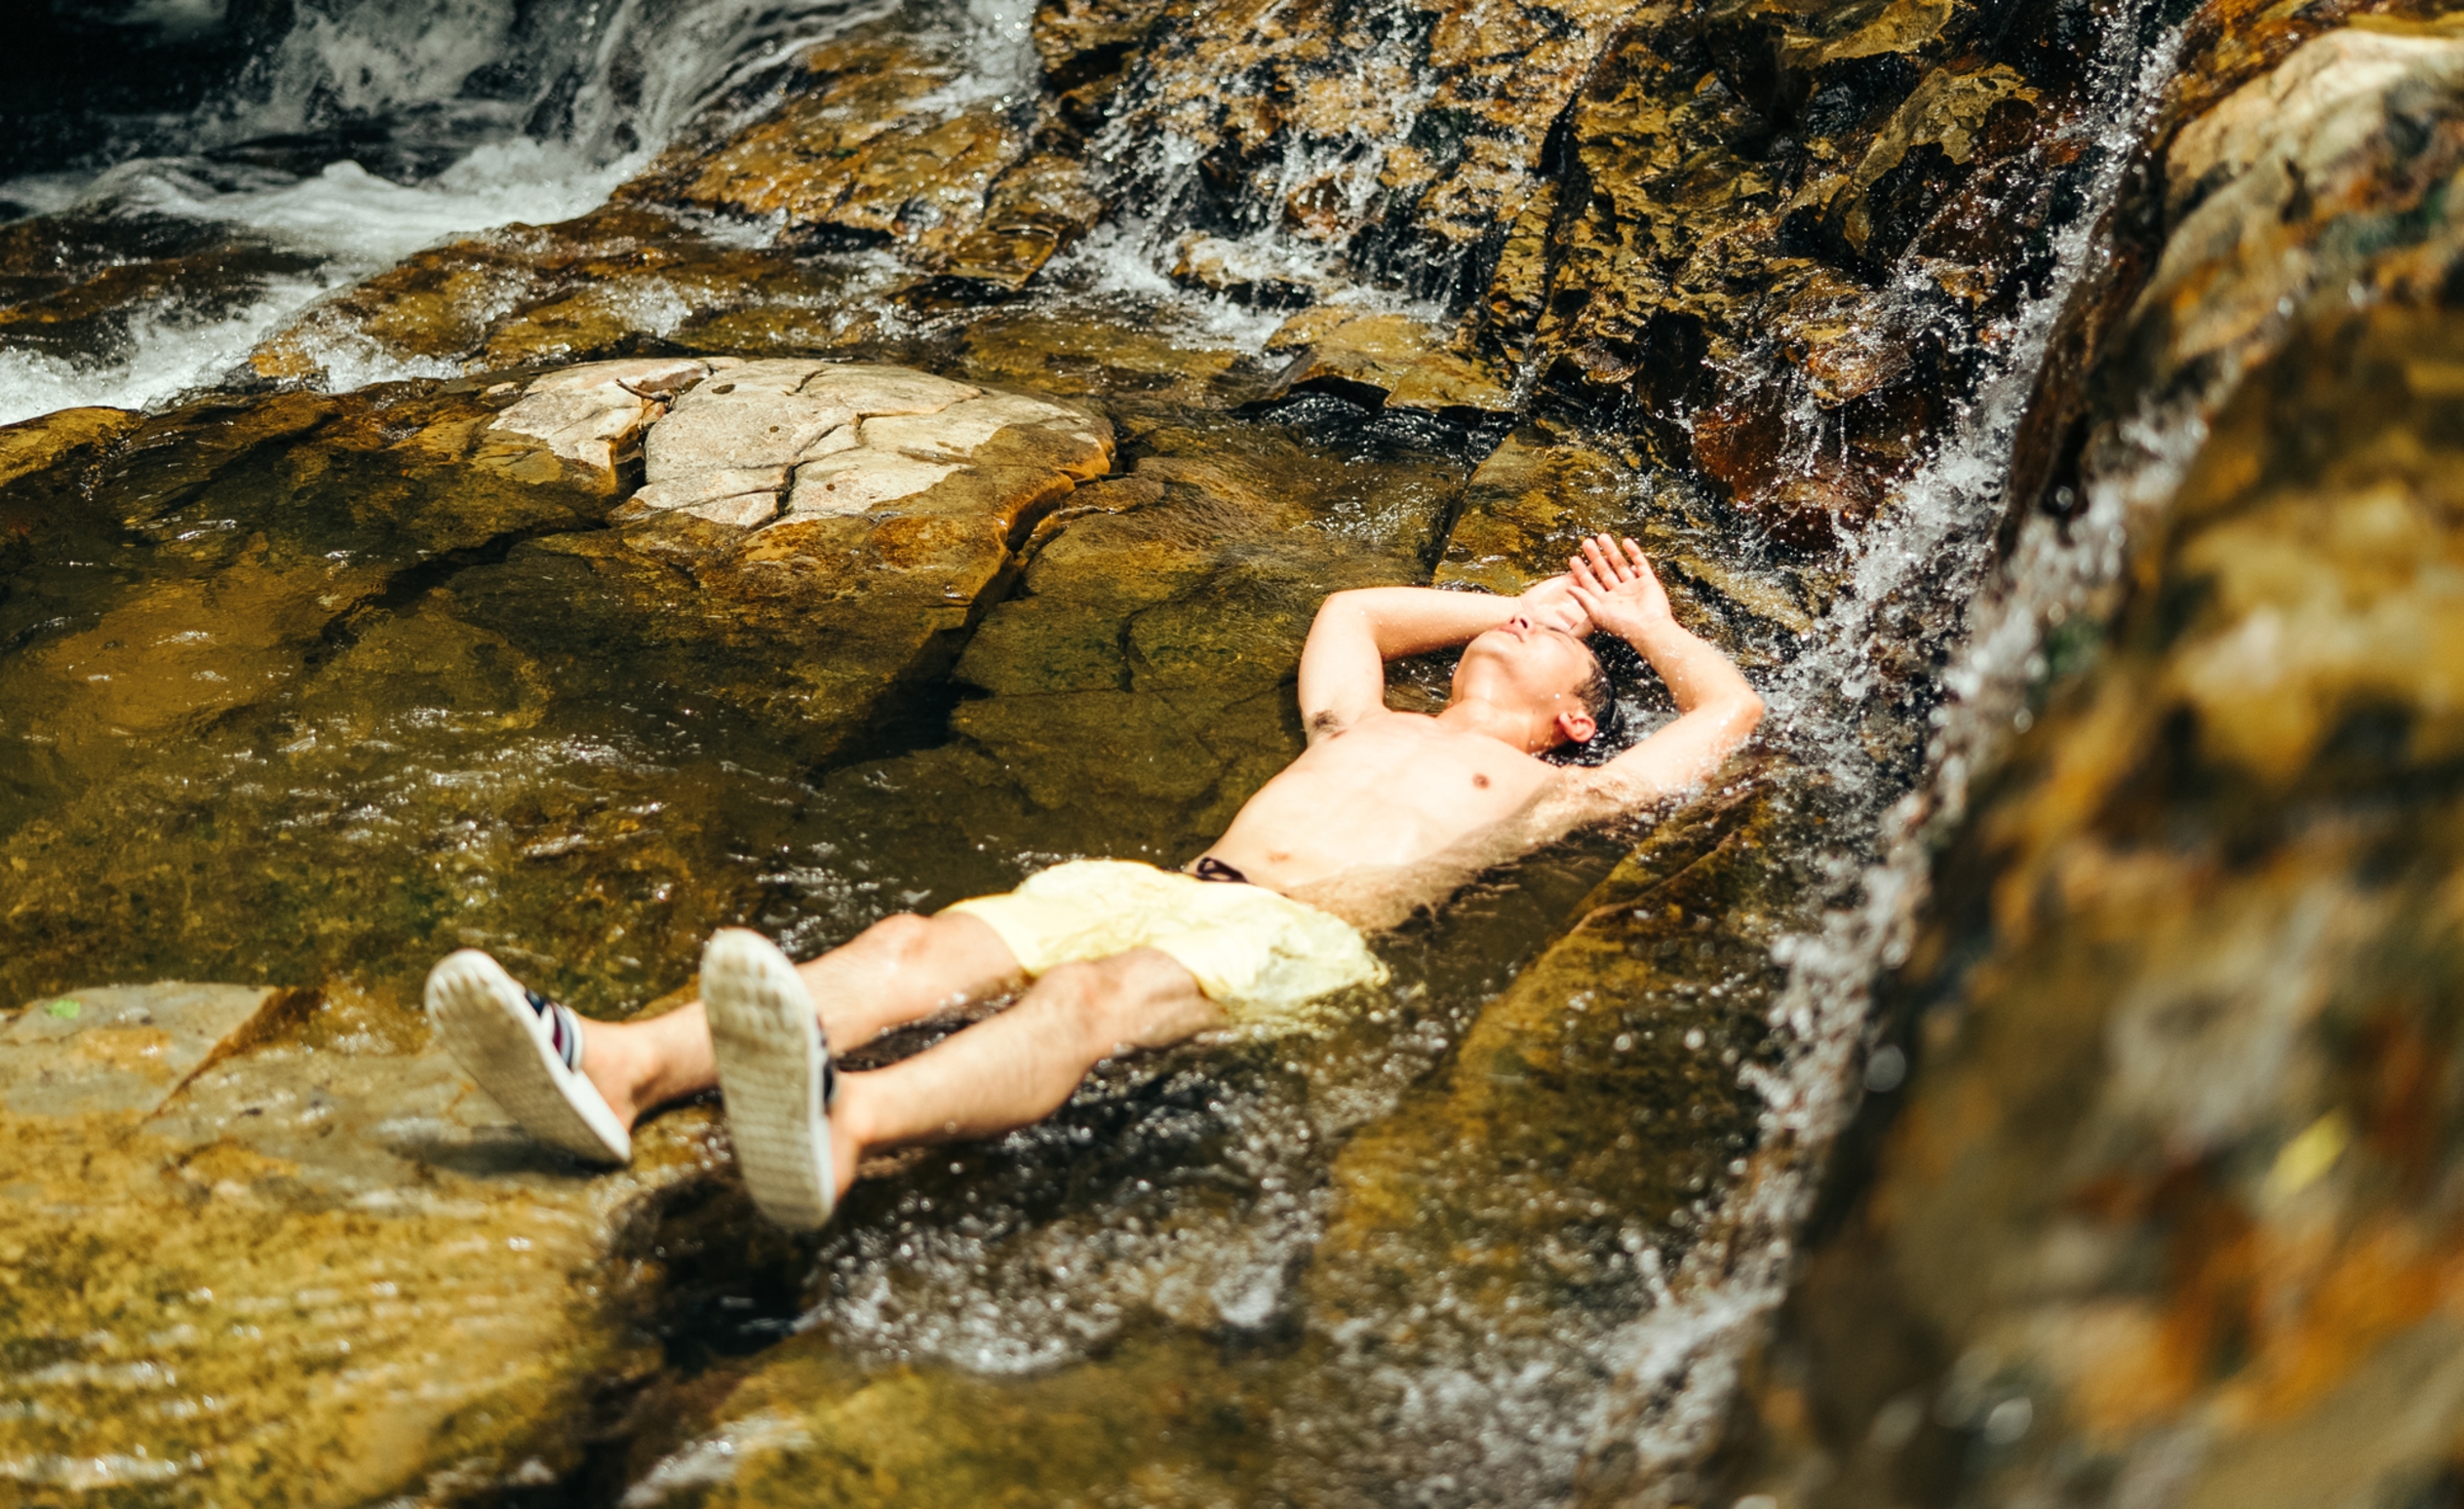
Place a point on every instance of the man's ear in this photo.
(1576, 727)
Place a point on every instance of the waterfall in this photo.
(366, 132)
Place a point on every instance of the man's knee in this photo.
(901, 939)
(1139, 999)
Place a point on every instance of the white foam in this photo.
(364, 221)
(633, 76)
(171, 355)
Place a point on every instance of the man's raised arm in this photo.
(1716, 709)
(1343, 667)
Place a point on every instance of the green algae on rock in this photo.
(248, 581)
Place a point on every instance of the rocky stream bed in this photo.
(2028, 1075)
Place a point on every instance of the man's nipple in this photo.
(1479, 779)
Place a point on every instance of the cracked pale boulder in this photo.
(959, 430)
(860, 480)
(825, 440)
(742, 496)
(805, 589)
(739, 421)
(589, 417)
(872, 389)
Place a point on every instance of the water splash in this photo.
(1676, 1363)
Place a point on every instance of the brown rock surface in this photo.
(330, 587)
(2162, 1219)
(261, 1245)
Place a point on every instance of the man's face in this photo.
(1536, 665)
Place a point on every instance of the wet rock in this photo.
(73, 284)
(1156, 1425)
(593, 416)
(1306, 118)
(1386, 358)
(1246, 274)
(122, 1048)
(2268, 194)
(261, 1244)
(1165, 631)
(1542, 492)
(2164, 1183)
(2161, 1215)
(44, 464)
(1084, 46)
(375, 592)
(1073, 354)
(1032, 213)
(1565, 1160)
(852, 437)
(42, 445)
(872, 508)
(854, 148)
(615, 282)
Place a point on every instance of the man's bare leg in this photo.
(1018, 1067)
(901, 969)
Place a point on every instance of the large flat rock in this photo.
(263, 1246)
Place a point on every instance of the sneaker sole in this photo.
(771, 1056)
(499, 1041)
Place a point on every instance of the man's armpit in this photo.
(1323, 724)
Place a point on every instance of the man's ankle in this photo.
(606, 1063)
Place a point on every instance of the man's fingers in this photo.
(1605, 565)
(1642, 562)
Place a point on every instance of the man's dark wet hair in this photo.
(1598, 696)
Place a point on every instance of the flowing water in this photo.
(365, 132)
(401, 739)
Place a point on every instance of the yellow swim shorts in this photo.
(1263, 957)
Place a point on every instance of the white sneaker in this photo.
(775, 1072)
(526, 1051)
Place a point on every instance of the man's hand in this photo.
(1617, 590)
(1551, 604)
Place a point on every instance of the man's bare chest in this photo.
(1457, 781)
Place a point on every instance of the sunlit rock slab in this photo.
(262, 1246)
(1161, 1423)
(228, 616)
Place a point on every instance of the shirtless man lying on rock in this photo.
(1384, 812)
